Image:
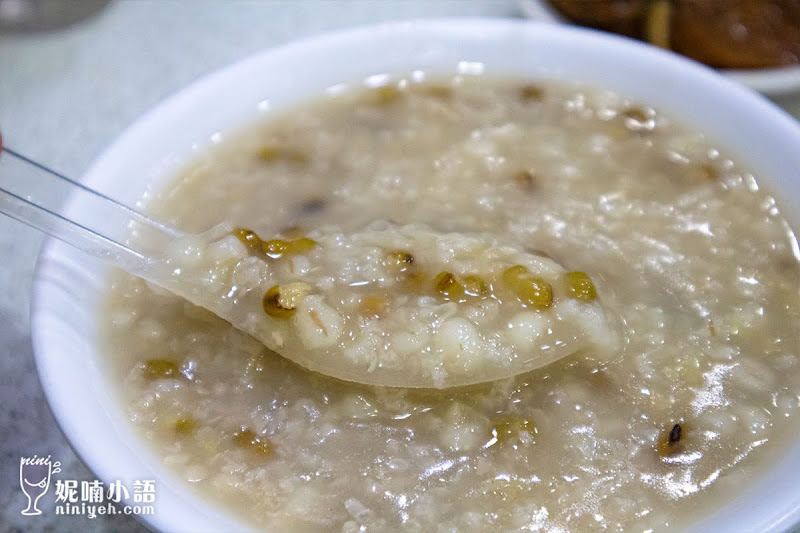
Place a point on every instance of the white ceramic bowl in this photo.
(69, 284)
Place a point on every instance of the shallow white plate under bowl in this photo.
(69, 285)
(770, 81)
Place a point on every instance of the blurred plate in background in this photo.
(769, 81)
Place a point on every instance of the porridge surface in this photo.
(682, 245)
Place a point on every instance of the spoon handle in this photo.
(32, 193)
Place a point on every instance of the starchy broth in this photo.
(681, 242)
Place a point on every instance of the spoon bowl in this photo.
(393, 306)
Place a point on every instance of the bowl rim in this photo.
(51, 249)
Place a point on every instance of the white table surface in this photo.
(66, 94)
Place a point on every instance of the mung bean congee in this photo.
(685, 258)
(364, 306)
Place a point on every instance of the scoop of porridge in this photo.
(394, 306)
(689, 259)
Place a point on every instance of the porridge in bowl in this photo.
(688, 257)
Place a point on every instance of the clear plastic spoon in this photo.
(390, 305)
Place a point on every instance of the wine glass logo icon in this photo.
(34, 480)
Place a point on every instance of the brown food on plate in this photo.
(741, 34)
(625, 17)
